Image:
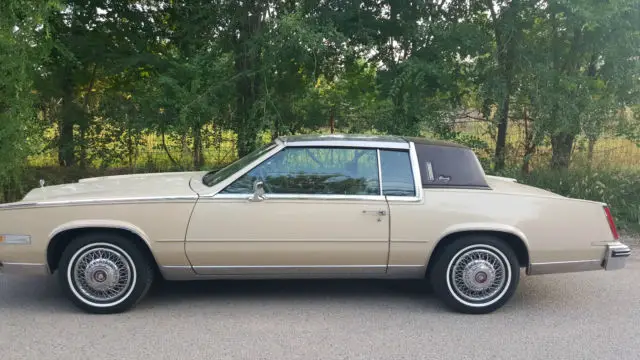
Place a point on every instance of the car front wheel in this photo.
(475, 275)
(104, 273)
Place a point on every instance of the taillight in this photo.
(612, 224)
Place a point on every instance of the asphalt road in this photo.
(593, 315)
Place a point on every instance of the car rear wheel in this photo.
(104, 273)
(476, 274)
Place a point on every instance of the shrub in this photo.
(620, 188)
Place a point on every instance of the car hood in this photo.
(170, 184)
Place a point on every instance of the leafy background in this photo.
(544, 91)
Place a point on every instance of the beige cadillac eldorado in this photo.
(332, 206)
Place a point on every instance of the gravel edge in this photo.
(631, 239)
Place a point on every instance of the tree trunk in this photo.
(529, 142)
(501, 141)
(332, 121)
(198, 151)
(592, 144)
(66, 156)
(505, 56)
(166, 150)
(246, 84)
(561, 144)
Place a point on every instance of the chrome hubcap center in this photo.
(478, 275)
(101, 274)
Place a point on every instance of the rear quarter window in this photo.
(449, 166)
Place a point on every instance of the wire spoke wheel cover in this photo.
(478, 275)
(101, 274)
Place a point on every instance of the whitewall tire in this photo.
(475, 274)
(104, 273)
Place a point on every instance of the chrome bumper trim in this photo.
(616, 257)
(563, 267)
(23, 269)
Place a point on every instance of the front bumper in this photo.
(616, 256)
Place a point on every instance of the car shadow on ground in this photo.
(44, 294)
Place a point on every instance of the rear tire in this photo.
(103, 273)
(475, 274)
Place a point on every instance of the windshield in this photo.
(214, 177)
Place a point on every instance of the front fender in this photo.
(95, 223)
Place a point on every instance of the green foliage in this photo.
(20, 53)
(620, 188)
(191, 85)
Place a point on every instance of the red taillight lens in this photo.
(612, 224)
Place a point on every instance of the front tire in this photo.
(475, 274)
(104, 273)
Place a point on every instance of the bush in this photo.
(620, 188)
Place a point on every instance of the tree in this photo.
(23, 44)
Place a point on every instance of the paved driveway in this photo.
(571, 316)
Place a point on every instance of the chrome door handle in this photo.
(375, 212)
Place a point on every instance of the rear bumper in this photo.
(23, 269)
(615, 258)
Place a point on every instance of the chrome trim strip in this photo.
(112, 201)
(280, 145)
(23, 268)
(233, 177)
(406, 271)
(178, 273)
(379, 173)
(304, 197)
(564, 267)
(289, 269)
(13, 239)
(286, 266)
(350, 144)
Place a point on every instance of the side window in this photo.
(320, 171)
(397, 176)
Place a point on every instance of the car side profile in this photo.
(309, 206)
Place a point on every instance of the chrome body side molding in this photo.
(113, 201)
(296, 272)
(24, 269)
(563, 267)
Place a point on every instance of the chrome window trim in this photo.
(417, 180)
(304, 197)
(379, 173)
(226, 182)
(373, 144)
(378, 145)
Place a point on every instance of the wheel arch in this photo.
(62, 236)
(512, 237)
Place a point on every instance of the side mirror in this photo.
(258, 191)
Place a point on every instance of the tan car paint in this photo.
(161, 224)
(289, 233)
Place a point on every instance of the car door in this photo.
(322, 214)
